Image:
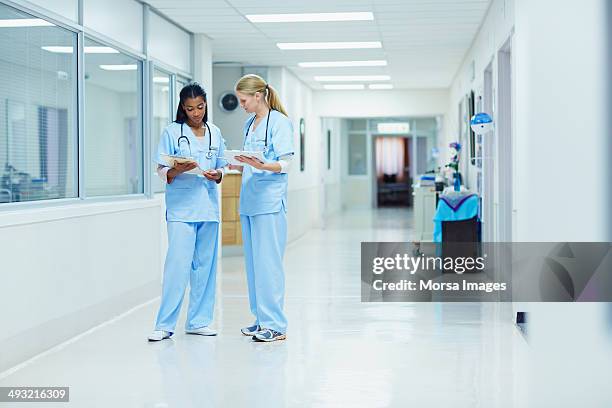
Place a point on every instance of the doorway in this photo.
(392, 163)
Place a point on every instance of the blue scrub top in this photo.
(192, 198)
(265, 192)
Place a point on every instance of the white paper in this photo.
(230, 156)
(170, 160)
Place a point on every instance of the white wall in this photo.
(559, 161)
(202, 70)
(230, 123)
(559, 113)
(91, 262)
(124, 27)
(331, 194)
(169, 43)
(494, 32)
(304, 186)
(561, 129)
(65, 8)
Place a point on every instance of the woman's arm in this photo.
(168, 174)
(274, 167)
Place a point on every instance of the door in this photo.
(504, 137)
(488, 165)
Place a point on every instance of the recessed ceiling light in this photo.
(348, 78)
(332, 64)
(344, 87)
(380, 86)
(88, 50)
(309, 17)
(329, 45)
(24, 22)
(128, 67)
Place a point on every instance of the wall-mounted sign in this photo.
(394, 128)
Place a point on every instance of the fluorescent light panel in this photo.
(127, 67)
(309, 17)
(344, 87)
(329, 45)
(24, 22)
(88, 50)
(348, 78)
(380, 86)
(333, 64)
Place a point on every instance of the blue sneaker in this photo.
(251, 330)
(268, 335)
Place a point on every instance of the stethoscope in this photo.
(249, 128)
(209, 155)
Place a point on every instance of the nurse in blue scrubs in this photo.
(192, 215)
(263, 205)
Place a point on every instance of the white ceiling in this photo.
(424, 41)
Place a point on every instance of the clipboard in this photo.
(230, 156)
(171, 160)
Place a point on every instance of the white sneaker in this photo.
(202, 331)
(158, 335)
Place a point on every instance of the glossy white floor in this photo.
(339, 352)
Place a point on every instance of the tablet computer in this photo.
(230, 156)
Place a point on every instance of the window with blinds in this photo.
(38, 138)
(113, 139)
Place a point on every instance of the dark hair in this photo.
(191, 90)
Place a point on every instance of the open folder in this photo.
(172, 160)
(230, 156)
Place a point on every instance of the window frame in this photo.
(156, 66)
(145, 77)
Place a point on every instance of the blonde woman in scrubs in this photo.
(263, 205)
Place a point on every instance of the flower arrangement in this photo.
(454, 164)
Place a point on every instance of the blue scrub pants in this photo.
(192, 257)
(264, 237)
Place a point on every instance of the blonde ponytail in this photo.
(251, 83)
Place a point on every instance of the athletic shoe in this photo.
(158, 335)
(202, 331)
(269, 335)
(251, 330)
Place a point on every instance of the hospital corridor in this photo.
(340, 352)
(327, 204)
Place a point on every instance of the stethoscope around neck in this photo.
(209, 154)
(267, 123)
